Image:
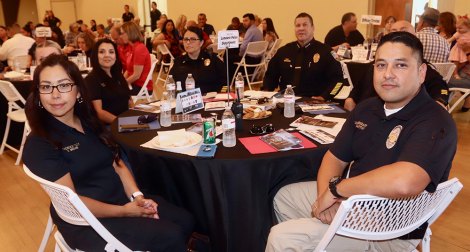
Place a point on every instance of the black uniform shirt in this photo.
(114, 94)
(422, 133)
(88, 160)
(336, 37)
(208, 72)
(320, 72)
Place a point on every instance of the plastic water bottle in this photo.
(228, 124)
(165, 110)
(178, 87)
(171, 87)
(289, 102)
(190, 83)
(239, 85)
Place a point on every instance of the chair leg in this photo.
(426, 243)
(20, 152)
(247, 77)
(235, 75)
(5, 136)
(47, 234)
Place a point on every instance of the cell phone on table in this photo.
(207, 151)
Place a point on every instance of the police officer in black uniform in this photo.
(306, 64)
(207, 69)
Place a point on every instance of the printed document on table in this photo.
(333, 131)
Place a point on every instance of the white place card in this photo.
(227, 39)
(43, 32)
(371, 19)
(189, 101)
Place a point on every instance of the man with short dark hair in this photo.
(252, 34)
(400, 144)
(345, 34)
(154, 16)
(436, 48)
(127, 15)
(306, 64)
(202, 23)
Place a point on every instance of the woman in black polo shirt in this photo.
(207, 69)
(68, 146)
(107, 86)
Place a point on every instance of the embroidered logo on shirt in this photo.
(316, 57)
(207, 62)
(71, 148)
(287, 60)
(393, 136)
(360, 125)
(444, 92)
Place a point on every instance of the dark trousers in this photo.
(169, 233)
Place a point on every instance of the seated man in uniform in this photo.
(434, 83)
(400, 143)
(345, 34)
(306, 64)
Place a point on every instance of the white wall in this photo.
(326, 14)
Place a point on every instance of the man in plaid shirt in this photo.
(436, 48)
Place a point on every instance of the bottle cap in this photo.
(289, 86)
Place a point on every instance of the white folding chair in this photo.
(72, 210)
(271, 52)
(220, 52)
(345, 90)
(445, 70)
(15, 113)
(144, 93)
(163, 50)
(369, 217)
(465, 92)
(256, 50)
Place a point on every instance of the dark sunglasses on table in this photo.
(190, 39)
(143, 119)
(257, 130)
(62, 88)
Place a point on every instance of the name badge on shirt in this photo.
(393, 136)
(287, 60)
(71, 148)
(360, 125)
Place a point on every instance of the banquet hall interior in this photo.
(24, 207)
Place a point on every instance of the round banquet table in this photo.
(230, 195)
(16, 129)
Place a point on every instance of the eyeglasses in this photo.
(143, 119)
(259, 130)
(62, 88)
(191, 40)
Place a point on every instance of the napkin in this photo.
(13, 75)
(173, 138)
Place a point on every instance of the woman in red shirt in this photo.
(139, 63)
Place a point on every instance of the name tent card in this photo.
(189, 101)
(227, 39)
(371, 19)
(43, 32)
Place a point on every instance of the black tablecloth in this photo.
(231, 195)
(16, 129)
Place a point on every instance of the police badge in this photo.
(393, 136)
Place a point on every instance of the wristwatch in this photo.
(332, 186)
(136, 194)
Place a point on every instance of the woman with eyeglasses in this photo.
(207, 69)
(107, 86)
(69, 146)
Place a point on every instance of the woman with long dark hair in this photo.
(170, 38)
(69, 146)
(268, 26)
(107, 86)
